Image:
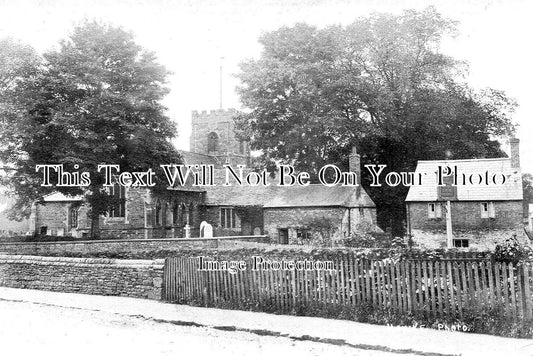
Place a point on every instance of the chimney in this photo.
(355, 163)
(515, 152)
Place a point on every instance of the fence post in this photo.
(527, 290)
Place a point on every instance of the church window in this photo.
(119, 209)
(158, 215)
(73, 218)
(212, 142)
(227, 218)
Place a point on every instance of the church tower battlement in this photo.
(213, 134)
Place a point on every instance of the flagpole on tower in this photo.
(221, 62)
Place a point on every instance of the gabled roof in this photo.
(319, 195)
(511, 190)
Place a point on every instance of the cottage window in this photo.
(434, 211)
(488, 210)
(118, 192)
(304, 234)
(460, 243)
(227, 218)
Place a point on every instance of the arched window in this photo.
(181, 215)
(158, 213)
(175, 213)
(191, 214)
(118, 210)
(73, 217)
(168, 214)
(212, 142)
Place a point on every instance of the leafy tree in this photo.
(380, 84)
(18, 62)
(95, 100)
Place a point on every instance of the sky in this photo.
(191, 36)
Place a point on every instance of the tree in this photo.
(18, 62)
(95, 100)
(380, 84)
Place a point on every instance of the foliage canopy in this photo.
(95, 100)
(381, 84)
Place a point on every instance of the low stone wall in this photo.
(129, 278)
(481, 240)
(120, 246)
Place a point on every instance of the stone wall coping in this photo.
(156, 263)
(192, 239)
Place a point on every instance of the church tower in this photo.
(213, 134)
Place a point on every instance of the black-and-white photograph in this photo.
(259, 177)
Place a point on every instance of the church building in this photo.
(288, 215)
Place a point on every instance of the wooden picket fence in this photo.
(436, 288)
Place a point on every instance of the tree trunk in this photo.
(95, 227)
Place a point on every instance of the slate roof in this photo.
(319, 195)
(273, 196)
(511, 190)
(244, 195)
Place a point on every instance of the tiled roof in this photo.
(511, 190)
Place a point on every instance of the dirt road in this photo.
(40, 329)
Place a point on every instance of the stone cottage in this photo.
(485, 201)
(285, 214)
(315, 214)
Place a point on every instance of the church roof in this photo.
(319, 195)
(273, 196)
(198, 158)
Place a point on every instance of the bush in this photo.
(512, 251)
(368, 239)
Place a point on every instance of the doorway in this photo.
(283, 236)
